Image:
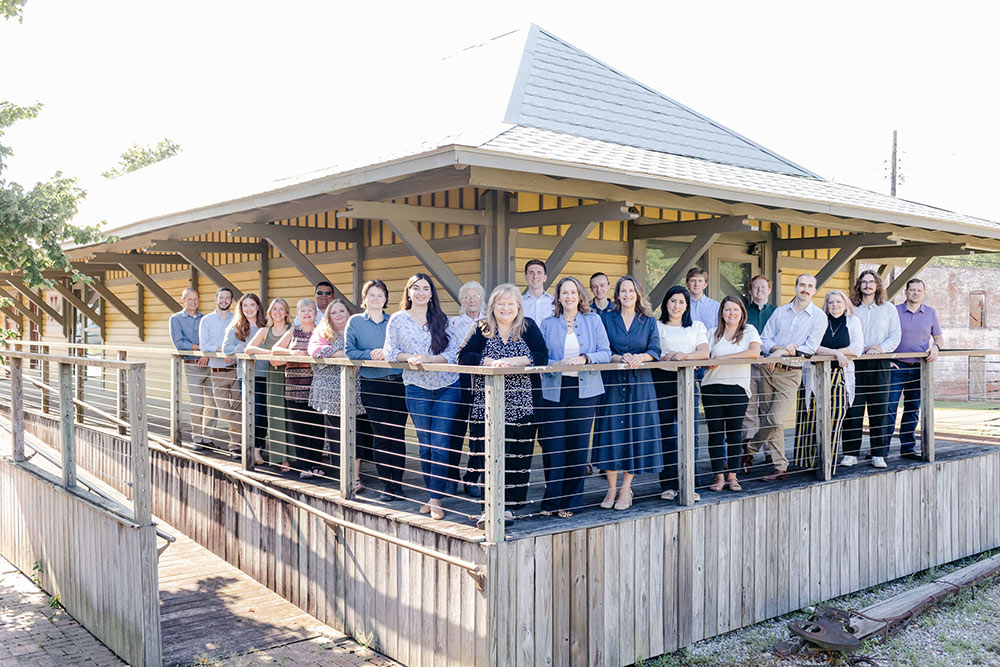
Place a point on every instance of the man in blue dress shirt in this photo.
(704, 309)
(184, 335)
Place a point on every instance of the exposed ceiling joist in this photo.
(843, 241)
(373, 210)
(657, 229)
(137, 258)
(288, 232)
(604, 211)
(184, 247)
(915, 250)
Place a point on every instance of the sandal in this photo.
(717, 486)
(565, 514)
(669, 494)
(735, 486)
(318, 472)
(609, 499)
(624, 502)
(305, 474)
(545, 512)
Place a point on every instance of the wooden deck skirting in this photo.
(604, 594)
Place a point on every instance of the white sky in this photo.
(823, 84)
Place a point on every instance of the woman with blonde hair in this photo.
(843, 339)
(261, 342)
(505, 338)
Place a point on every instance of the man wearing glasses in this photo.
(323, 296)
(880, 324)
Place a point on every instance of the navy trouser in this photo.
(665, 383)
(565, 434)
(905, 383)
(384, 400)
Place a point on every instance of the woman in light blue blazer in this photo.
(574, 336)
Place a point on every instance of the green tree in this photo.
(12, 9)
(136, 157)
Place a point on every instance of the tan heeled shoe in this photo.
(624, 500)
(609, 499)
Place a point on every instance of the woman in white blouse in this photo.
(681, 339)
(725, 390)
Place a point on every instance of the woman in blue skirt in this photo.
(627, 434)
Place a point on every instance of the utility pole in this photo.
(893, 178)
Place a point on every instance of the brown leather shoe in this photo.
(746, 463)
(775, 476)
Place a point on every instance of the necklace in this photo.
(840, 325)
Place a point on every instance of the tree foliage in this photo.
(12, 9)
(136, 157)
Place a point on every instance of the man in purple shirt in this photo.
(920, 333)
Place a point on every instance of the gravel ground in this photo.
(963, 630)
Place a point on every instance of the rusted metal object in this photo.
(827, 634)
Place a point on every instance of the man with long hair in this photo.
(880, 324)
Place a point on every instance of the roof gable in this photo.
(563, 89)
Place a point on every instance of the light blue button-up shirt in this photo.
(362, 336)
(538, 308)
(706, 311)
(804, 330)
(184, 330)
(211, 333)
(880, 325)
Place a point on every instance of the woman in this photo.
(249, 320)
(418, 335)
(725, 390)
(382, 391)
(505, 339)
(843, 339)
(681, 338)
(327, 342)
(470, 295)
(574, 337)
(628, 426)
(307, 424)
(278, 321)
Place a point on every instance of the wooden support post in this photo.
(636, 255)
(247, 412)
(17, 406)
(358, 266)
(265, 270)
(824, 443)
(81, 382)
(140, 306)
(686, 416)
(496, 451)
(121, 397)
(176, 371)
(927, 410)
(142, 508)
(67, 428)
(977, 379)
(44, 370)
(348, 430)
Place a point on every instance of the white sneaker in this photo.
(879, 462)
(849, 461)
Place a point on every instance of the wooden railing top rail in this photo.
(79, 361)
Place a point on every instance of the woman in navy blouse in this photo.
(574, 336)
(418, 335)
(628, 426)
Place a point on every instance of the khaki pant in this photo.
(226, 398)
(199, 385)
(752, 420)
(779, 388)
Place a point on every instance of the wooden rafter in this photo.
(291, 232)
(125, 258)
(842, 241)
(79, 304)
(201, 264)
(599, 212)
(373, 210)
(835, 264)
(184, 247)
(34, 318)
(36, 299)
(695, 249)
(150, 283)
(915, 250)
(644, 228)
(112, 299)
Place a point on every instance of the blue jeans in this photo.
(905, 382)
(432, 412)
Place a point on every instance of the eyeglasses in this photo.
(324, 293)
(868, 282)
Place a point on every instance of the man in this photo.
(599, 286)
(225, 390)
(538, 304)
(759, 311)
(184, 334)
(880, 324)
(794, 329)
(703, 308)
(323, 297)
(919, 332)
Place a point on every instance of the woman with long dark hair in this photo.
(249, 319)
(681, 338)
(725, 390)
(418, 335)
(628, 425)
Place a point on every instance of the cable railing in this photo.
(492, 448)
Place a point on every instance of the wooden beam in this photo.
(185, 247)
(34, 318)
(79, 304)
(123, 258)
(264, 230)
(636, 255)
(600, 212)
(419, 246)
(373, 210)
(843, 241)
(36, 299)
(911, 270)
(265, 271)
(688, 258)
(303, 264)
(566, 248)
(149, 283)
(12, 315)
(201, 264)
(112, 299)
(645, 228)
(914, 250)
(835, 264)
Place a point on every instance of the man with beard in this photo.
(225, 389)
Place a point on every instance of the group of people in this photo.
(622, 422)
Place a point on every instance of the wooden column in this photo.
(121, 394)
(493, 495)
(265, 270)
(927, 410)
(17, 406)
(81, 380)
(636, 256)
(348, 430)
(686, 415)
(247, 411)
(67, 428)
(176, 372)
(824, 444)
